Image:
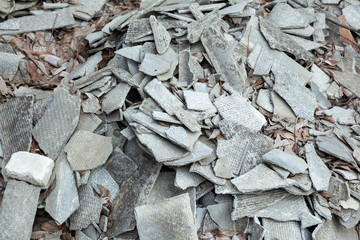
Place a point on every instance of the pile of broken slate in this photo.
(172, 139)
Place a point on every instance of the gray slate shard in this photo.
(319, 172)
(89, 210)
(221, 214)
(348, 77)
(264, 100)
(117, 21)
(10, 63)
(267, 180)
(132, 53)
(43, 21)
(40, 107)
(88, 122)
(352, 13)
(290, 89)
(247, 204)
(284, 16)
(336, 148)
(163, 96)
(162, 64)
(217, 47)
(185, 179)
(164, 117)
(198, 101)
(178, 135)
(244, 151)
(341, 115)
(236, 8)
(153, 219)
(199, 152)
(161, 36)
(81, 236)
(290, 162)
(281, 230)
(255, 229)
(332, 229)
(133, 192)
(58, 123)
(281, 109)
(16, 118)
(120, 166)
(87, 9)
(195, 29)
(280, 41)
(115, 98)
(63, 200)
(87, 67)
(238, 110)
(207, 172)
(339, 189)
(100, 176)
(38, 94)
(301, 32)
(87, 150)
(186, 118)
(18, 209)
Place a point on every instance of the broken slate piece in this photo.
(255, 228)
(148, 67)
(247, 204)
(281, 109)
(238, 110)
(185, 179)
(176, 210)
(170, 54)
(341, 115)
(264, 100)
(290, 162)
(132, 53)
(281, 230)
(9, 65)
(319, 172)
(219, 51)
(207, 172)
(63, 200)
(332, 229)
(178, 135)
(164, 117)
(198, 101)
(33, 168)
(115, 98)
(161, 35)
(199, 152)
(58, 123)
(284, 16)
(221, 214)
(87, 150)
(352, 13)
(101, 176)
(186, 118)
(163, 96)
(16, 119)
(91, 104)
(244, 150)
(87, 9)
(18, 209)
(221, 168)
(89, 210)
(280, 41)
(267, 179)
(336, 148)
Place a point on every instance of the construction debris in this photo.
(180, 119)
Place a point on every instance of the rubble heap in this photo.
(213, 120)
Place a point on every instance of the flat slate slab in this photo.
(63, 200)
(153, 219)
(87, 150)
(282, 230)
(58, 122)
(18, 209)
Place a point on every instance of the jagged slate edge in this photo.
(161, 35)
(16, 118)
(63, 200)
(58, 123)
(176, 210)
(18, 209)
(89, 210)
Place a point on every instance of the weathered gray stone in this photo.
(100, 176)
(341, 115)
(264, 100)
(319, 173)
(176, 210)
(185, 179)
(221, 57)
(86, 68)
(89, 210)
(247, 204)
(86, 10)
(58, 123)
(221, 215)
(207, 172)
(132, 53)
(351, 14)
(18, 209)
(117, 21)
(91, 104)
(163, 96)
(186, 119)
(267, 179)
(284, 16)
(281, 109)
(33, 168)
(10, 63)
(238, 110)
(161, 36)
(282, 230)
(221, 168)
(290, 162)
(162, 64)
(87, 150)
(115, 98)
(198, 101)
(301, 32)
(332, 229)
(170, 54)
(178, 135)
(63, 200)
(88, 122)
(164, 117)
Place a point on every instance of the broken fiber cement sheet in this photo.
(153, 219)
(43, 21)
